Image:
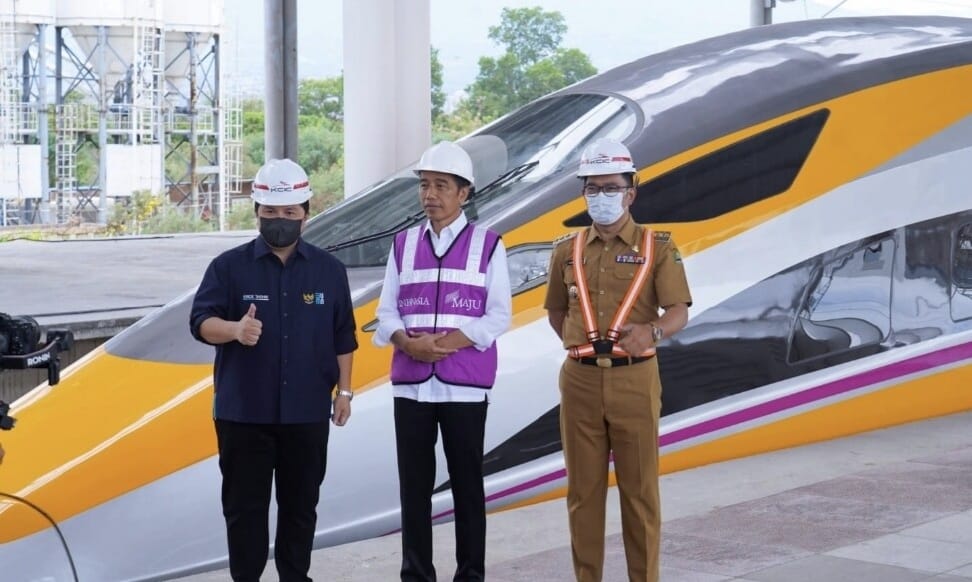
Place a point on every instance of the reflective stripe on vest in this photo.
(471, 275)
(624, 309)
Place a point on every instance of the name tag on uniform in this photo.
(255, 297)
(630, 259)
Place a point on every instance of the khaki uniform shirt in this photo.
(609, 276)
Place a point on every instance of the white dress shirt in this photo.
(482, 332)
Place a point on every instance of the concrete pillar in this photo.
(290, 79)
(280, 70)
(387, 87)
(413, 80)
(369, 95)
(273, 87)
(761, 12)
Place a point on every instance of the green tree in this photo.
(438, 96)
(529, 33)
(461, 122)
(320, 148)
(564, 67)
(328, 187)
(496, 89)
(321, 97)
(253, 116)
(253, 148)
(532, 65)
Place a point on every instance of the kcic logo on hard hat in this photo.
(281, 187)
(606, 159)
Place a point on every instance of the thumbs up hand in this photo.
(249, 328)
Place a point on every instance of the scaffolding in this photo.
(9, 82)
(230, 153)
(147, 127)
(9, 116)
(147, 84)
(233, 143)
(204, 125)
(192, 127)
(108, 111)
(120, 125)
(67, 131)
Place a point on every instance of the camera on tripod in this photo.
(20, 347)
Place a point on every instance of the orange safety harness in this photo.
(605, 347)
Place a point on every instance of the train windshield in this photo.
(510, 157)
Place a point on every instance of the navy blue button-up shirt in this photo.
(308, 319)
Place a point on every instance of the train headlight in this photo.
(528, 265)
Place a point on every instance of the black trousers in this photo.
(251, 457)
(463, 427)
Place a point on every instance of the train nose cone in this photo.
(86, 456)
(32, 546)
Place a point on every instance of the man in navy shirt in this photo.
(279, 312)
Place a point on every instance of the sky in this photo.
(611, 34)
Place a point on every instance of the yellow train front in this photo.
(815, 176)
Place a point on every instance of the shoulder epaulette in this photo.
(564, 238)
(663, 235)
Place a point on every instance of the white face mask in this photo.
(605, 209)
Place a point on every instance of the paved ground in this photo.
(888, 506)
(54, 281)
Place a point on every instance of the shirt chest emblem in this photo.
(313, 298)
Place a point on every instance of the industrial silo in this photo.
(109, 60)
(202, 120)
(23, 121)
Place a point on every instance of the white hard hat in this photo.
(448, 158)
(605, 156)
(281, 183)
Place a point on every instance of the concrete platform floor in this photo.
(893, 505)
(97, 287)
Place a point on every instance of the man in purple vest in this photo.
(445, 300)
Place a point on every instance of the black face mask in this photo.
(280, 232)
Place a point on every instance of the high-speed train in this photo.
(816, 177)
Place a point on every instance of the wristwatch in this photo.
(657, 333)
(347, 393)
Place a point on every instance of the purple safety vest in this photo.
(441, 294)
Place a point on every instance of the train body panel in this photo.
(815, 177)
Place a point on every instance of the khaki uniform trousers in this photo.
(604, 410)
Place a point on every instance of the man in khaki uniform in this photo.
(605, 286)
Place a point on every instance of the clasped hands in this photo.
(426, 347)
(636, 338)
